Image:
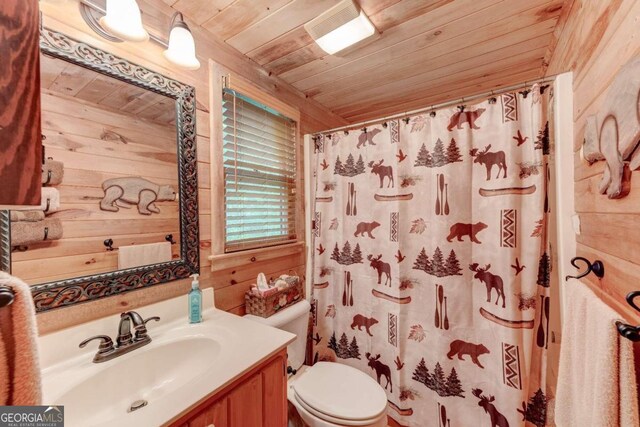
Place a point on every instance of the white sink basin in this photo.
(180, 367)
(147, 374)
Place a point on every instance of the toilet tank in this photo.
(294, 319)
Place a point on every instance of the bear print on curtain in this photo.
(432, 265)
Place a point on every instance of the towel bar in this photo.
(629, 331)
(6, 296)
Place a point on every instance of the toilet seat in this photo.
(340, 394)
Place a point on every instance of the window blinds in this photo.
(259, 156)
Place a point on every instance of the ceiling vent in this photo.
(340, 27)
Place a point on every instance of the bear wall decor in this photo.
(613, 133)
(135, 191)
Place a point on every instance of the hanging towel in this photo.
(596, 377)
(147, 254)
(51, 195)
(25, 233)
(52, 172)
(19, 362)
(28, 216)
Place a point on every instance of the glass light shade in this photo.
(182, 48)
(346, 35)
(124, 20)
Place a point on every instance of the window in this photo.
(259, 157)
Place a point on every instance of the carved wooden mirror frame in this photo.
(63, 293)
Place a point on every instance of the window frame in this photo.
(220, 79)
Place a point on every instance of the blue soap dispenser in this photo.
(195, 301)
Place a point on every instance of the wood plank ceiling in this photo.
(430, 51)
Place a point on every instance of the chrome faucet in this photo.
(126, 341)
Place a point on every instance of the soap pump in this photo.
(195, 301)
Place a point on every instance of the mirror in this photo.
(119, 205)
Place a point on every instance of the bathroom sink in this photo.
(181, 366)
(146, 375)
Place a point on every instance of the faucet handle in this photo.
(106, 344)
(141, 329)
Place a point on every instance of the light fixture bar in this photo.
(180, 48)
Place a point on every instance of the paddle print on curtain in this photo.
(432, 264)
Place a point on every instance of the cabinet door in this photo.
(213, 416)
(21, 144)
(245, 403)
(274, 386)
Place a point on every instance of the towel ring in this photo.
(6, 296)
(597, 268)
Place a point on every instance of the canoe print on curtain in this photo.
(432, 265)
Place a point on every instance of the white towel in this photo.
(147, 254)
(53, 196)
(596, 377)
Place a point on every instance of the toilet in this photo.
(326, 394)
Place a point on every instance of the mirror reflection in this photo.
(110, 179)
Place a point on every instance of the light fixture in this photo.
(124, 20)
(105, 18)
(182, 48)
(340, 27)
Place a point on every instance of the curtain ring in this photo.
(46, 233)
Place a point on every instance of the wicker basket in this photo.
(265, 306)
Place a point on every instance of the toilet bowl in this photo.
(326, 394)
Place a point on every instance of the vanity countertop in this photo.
(182, 365)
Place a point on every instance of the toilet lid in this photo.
(341, 392)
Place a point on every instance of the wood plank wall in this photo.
(594, 39)
(88, 140)
(231, 282)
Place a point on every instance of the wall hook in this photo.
(384, 125)
(109, 244)
(329, 136)
(629, 331)
(406, 120)
(364, 130)
(461, 108)
(597, 268)
(169, 238)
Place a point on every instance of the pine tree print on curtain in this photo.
(448, 307)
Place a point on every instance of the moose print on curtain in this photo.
(432, 262)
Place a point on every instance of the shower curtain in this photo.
(432, 263)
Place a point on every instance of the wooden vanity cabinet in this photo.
(258, 398)
(20, 139)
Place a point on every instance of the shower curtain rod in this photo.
(441, 105)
